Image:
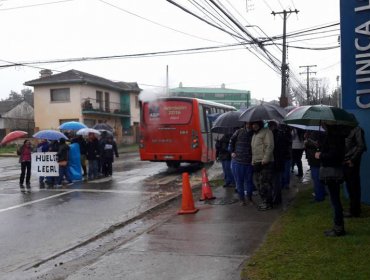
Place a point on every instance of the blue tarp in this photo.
(74, 162)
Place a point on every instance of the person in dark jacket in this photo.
(241, 163)
(223, 154)
(42, 147)
(63, 155)
(24, 153)
(313, 142)
(331, 154)
(286, 134)
(355, 147)
(51, 181)
(92, 155)
(279, 158)
(108, 151)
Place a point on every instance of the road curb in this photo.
(112, 228)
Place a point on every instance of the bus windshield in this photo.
(167, 112)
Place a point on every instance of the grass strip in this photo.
(296, 248)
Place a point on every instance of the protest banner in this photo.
(45, 164)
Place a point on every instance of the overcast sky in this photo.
(31, 32)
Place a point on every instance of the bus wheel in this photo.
(173, 164)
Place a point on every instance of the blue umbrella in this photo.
(49, 135)
(72, 125)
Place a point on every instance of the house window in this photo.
(136, 101)
(99, 99)
(106, 97)
(62, 121)
(89, 122)
(60, 95)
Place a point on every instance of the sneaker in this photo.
(70, 183)
(350, 215)
(242, 202)
(264, 207)
(22, 188)
(336, 231)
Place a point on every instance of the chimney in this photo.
(222, 85)
(45, 73)
(180, 85)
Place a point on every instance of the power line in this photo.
(222, 29)
(154, 22)
(149, 54)
(35, 5)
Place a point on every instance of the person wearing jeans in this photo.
(241, 154)
(313, 142)
(223, 155)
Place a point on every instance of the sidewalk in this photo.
(211, 244)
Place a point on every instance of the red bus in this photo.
(178, 129)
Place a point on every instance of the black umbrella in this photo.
(227, 122)
(264, 111)
(103, 126)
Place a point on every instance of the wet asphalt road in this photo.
(37, 226)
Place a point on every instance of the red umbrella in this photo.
(14, 135)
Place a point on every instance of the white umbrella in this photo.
(308, 127)
(85, 131)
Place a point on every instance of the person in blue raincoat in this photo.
(74, 162)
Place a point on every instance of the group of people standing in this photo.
(261, 158)
(258, 159)
(98, 153)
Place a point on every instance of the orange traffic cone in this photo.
(187, 205)
(206, 188)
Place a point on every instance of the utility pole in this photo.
(308, 72)
(167, 83)
(284, 66)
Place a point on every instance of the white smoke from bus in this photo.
(151, 94)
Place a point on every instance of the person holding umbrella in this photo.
(92, 155)
(24, 153)
(263, 163)
(313, 142)
(223, 154)
(42, 147)
(63, 154)
(241, 163)
(336, 122)
(331, 154)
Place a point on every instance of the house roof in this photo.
(6, 106)
(206, 90)
(79, 77)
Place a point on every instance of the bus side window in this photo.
(203, 119)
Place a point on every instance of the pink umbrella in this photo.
(14, 135)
